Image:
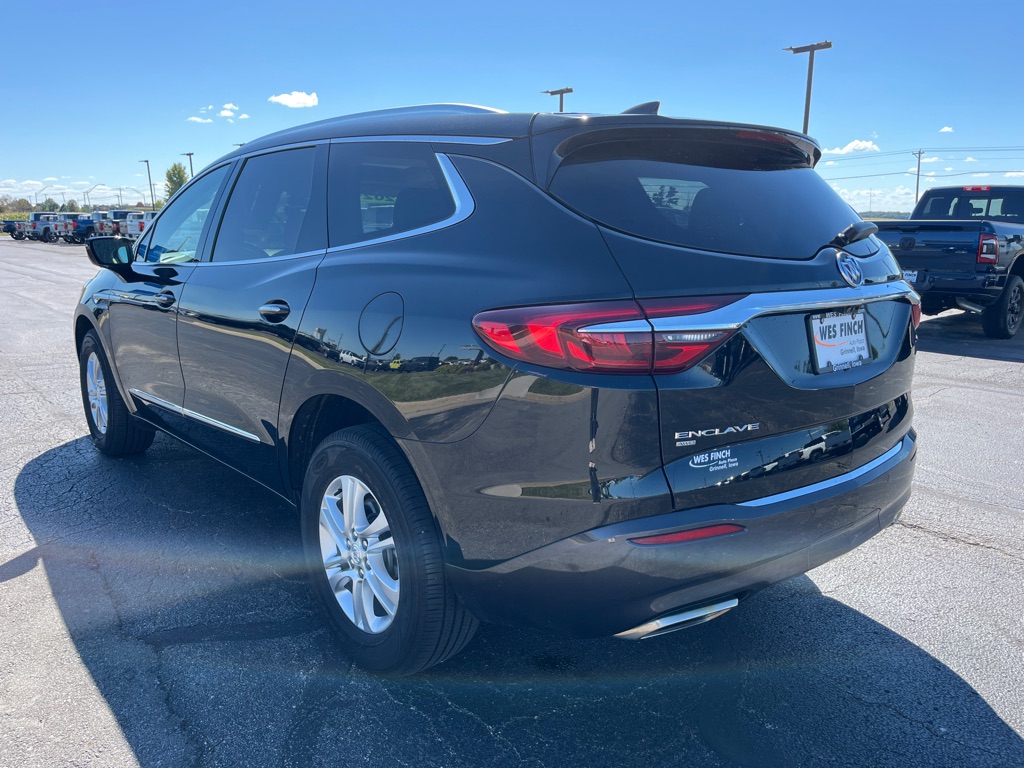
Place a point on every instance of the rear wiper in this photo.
(856, 231)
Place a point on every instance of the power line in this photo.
(932, 175)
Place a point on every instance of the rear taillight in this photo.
(988, 249)
(606, 337)
(915, 315)
(33, 225)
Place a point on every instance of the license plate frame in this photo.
(838, 339)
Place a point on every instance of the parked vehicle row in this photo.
(79, 227)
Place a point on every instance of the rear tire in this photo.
(1002, 320)
(374, 556)
(112, 427)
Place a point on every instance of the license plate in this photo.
(839, 340)
(910, 275)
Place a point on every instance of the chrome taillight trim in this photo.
(737, 314)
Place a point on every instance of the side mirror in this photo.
(113, 253)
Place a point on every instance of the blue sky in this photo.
(196, 77)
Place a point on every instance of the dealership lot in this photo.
(152, 610)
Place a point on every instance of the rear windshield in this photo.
(1005, 205)
(752, 198)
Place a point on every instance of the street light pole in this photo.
(560, 93)
(191, 173)
(39, 192)
(152, 196)
(810, 72)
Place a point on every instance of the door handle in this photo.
(275, 311)
(164, 299)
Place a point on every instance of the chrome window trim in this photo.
(737, 314)
(479, 141)
(826, 484)
(159, 401)
(303, 255)
(464, 207)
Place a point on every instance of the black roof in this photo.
(469, 120)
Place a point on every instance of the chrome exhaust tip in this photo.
(671, 623)
(969, 306)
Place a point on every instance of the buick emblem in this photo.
(849, 269)
(907, 243)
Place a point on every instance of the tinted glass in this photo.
(266, 211)
(1001, 205)
(381, 189)
(754, 198)
(176, 234)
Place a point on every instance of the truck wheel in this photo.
(1002, 320)
(18, 236)
(49, 236)
(374, 556)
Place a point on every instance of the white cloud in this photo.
(229, 105)
(199, 120)
(830, 162)
(945, 129)
(980, 175)
(83, 183)
(296, 99)
(209, 108)
(930, 173)
(857, 145)
(1014, 174)
(931, 159)
(50, 178)
(202, 110)
(948, 169)
(243, 116)
(225, 113)
(970, 160)
(230, 120)
(8, 182)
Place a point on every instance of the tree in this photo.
(21, 205)
(50, 205)
(176, 177)
(71, 206)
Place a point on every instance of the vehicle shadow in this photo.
(181, 587)
(959, 333)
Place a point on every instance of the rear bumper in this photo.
(982, 289)
(599, 583)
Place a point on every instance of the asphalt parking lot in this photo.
(152, 610)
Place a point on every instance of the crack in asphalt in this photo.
(949, 537)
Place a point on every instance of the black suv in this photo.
(607, 375)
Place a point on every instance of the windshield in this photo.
(751, 197)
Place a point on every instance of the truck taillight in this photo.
(33, 225)
(605, 337)
(988, 249)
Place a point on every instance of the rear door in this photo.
(241, 308)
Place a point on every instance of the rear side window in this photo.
(750, 197)
(378, 189)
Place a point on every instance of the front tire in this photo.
(1002, 320)
(112, 427)
(374, 556)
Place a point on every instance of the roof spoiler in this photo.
(647, 108)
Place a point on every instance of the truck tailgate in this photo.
(946, 246)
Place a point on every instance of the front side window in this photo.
(177, 233)
(266, 214)
(378, 189)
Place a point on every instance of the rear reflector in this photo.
(694, 534)
(572, 336)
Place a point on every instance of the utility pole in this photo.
(191, 173)
(560, 93)
(810, 72)
(152, 196)
(917, 186)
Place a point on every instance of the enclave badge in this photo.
(849, 269)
